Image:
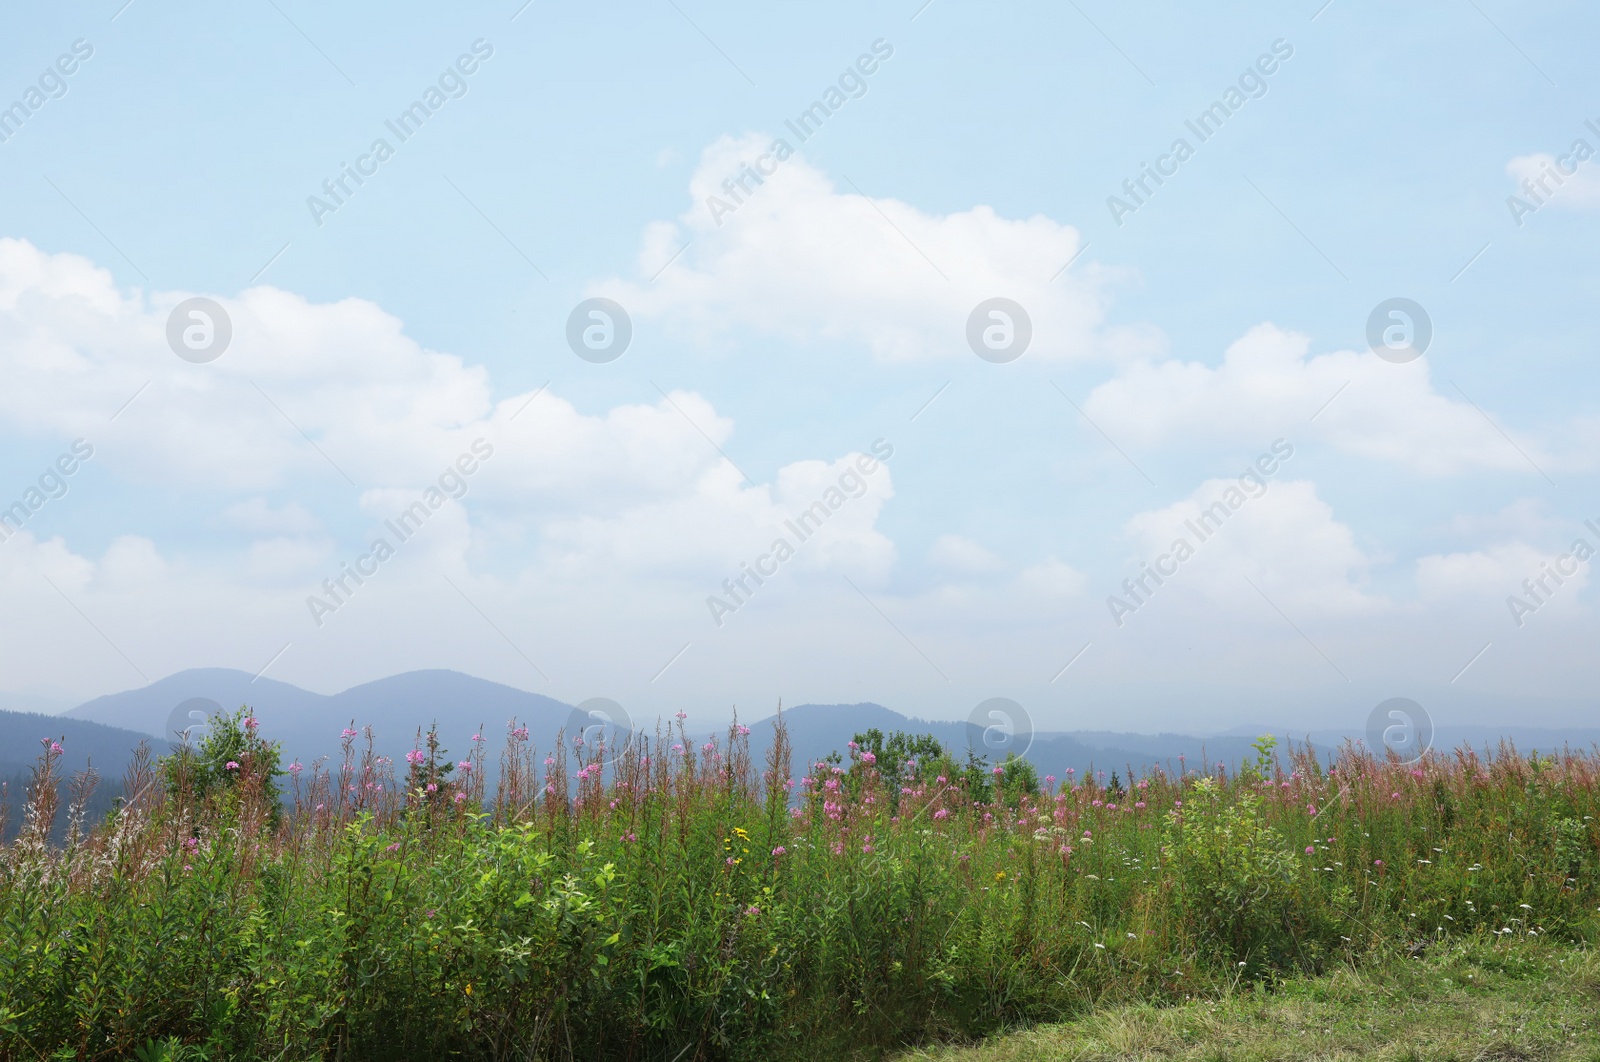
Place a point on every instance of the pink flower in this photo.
(465, 765)
(780, 851)
(460, 797)
(295, 768)
(942, 813)
(869, 758)
(415, 757)
(393, 847)
(250, 723)
(1310, 850)
(1377, 862)
(347, 732)
(231, 765)
(752, 911)
(998, 771)
(682, 715)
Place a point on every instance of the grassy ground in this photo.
(1470, 1003)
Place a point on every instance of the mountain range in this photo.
(398, 707)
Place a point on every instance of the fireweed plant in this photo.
(678, 901)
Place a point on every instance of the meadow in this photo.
(678, 900)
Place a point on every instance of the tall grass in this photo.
(679, 901)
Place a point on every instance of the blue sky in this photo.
(372, 349)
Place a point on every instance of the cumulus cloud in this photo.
(801, 258)
(1545, 180)
(958, 554)
(1267, 385)
(1285, 540)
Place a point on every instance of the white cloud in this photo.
(961, 555)
(1267, 386)
(258, 515)
(1541, 181)
(802, 259)
(1284, 540)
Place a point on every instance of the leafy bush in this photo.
(687, 903)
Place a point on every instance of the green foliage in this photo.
(1233, 875)
(673, 909)
(231, 750)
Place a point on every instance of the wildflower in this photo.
(1139, 804)
(752, 911)
(1310, 850)
(682, 715)
(295, 768)
(1377, 862)
(1177, 803)
(231, 765)
(1394, 796)
(998, 771)
(347, 732)
(1311, 809)
(460, 797)
(250, 722)
(780, 851)
(869, 758)
(393, 847)
(942, 813)
(477, 738)
(1049, 779)
(465, 766)
(942, 780)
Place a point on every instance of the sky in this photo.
(1157, 369)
